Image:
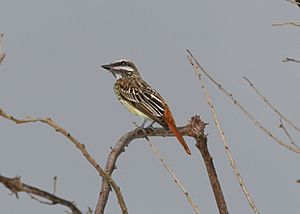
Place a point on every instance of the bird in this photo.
(141, 99)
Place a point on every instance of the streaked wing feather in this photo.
(140, 95)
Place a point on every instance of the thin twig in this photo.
(290, 60)
(198, 69)
(271, 106)
(54, 184)
(250, 116)
(287, 134)
(90, 211)
(171, 172)
(2, 54)
(15, 185)
(293, 23)
(39, 200)
(79, 146)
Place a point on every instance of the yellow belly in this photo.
(128, 106)
(134, 110)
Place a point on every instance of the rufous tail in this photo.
(172, 126)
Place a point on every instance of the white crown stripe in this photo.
(124, 68)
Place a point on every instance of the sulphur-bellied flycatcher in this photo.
(140, 98)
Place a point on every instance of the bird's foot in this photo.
(145, 133)
(151, 127)
(142, 129)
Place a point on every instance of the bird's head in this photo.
(122, 68)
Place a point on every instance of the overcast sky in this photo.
(53, 49)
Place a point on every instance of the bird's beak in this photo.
(107, 67)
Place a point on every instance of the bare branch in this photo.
(171, 172)
(290, 60)
(193, 129)
(39, 200)
(198, 69)
(15, 185)
(271, 106)
(54, 184)
(287, 134)
(293, 23)
(2, 54)
(110, 166)
(213, 178)
(201, 144)
(79, 146)
(112, 159)
(243, 109)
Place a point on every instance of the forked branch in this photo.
(194, 129)
(79, 146)
(265, 99)
(200, 70)
(242, 108)
(290, 60)
(15, 186)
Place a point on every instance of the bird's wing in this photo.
(144, 98)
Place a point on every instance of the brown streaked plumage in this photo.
(140, 98)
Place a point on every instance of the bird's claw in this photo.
(145, 133)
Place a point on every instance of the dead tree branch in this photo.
(15, 186)
(213, 178)
(287, 134)
(265, 99)
(293, 23)
(173, 175)
(291, 59)
(193, 129)
(199, 70)
(79, 146)
(243, 109)
(2, 54)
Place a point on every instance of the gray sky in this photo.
(53, 49)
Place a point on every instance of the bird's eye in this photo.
(123, 63)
